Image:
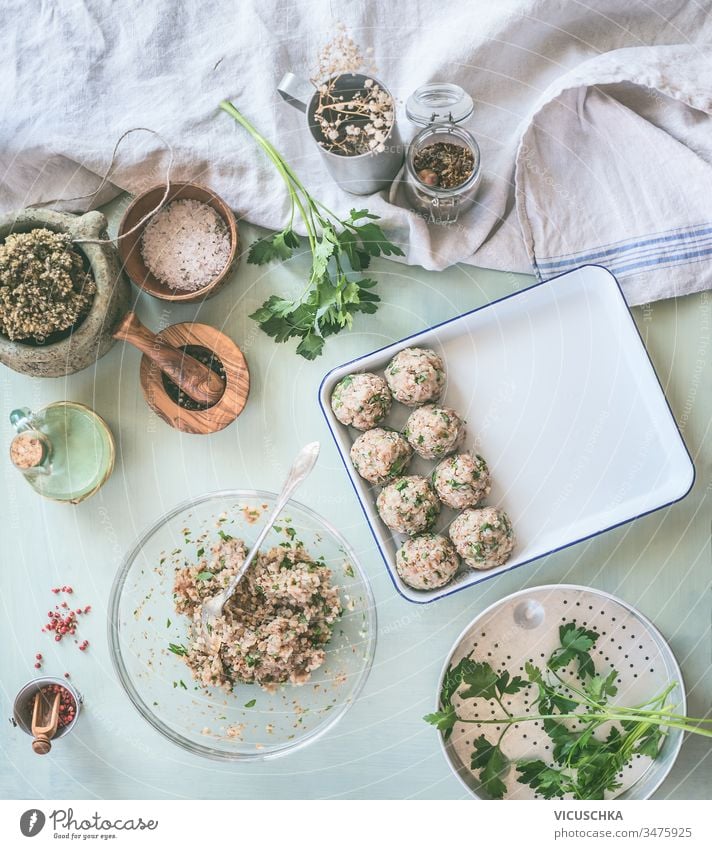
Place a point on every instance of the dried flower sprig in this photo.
(358, 125)
(342, 56)
(351, 122)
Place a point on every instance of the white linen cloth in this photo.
(593, 119)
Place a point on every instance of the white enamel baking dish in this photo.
(563, 402)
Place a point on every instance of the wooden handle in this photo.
(41, 744)
(195, 379)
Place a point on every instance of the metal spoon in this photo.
(303, 464)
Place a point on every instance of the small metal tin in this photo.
(359, 175)
(22, 706)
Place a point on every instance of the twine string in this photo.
(105, 180)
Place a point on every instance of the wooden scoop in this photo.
(195, 379)
(44, 723)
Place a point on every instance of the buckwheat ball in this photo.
(380, 455)
(483, 538)
(416, 376)
(361, 400)
(462, 480)
(434, 431)
(408, 505)
(426, 562)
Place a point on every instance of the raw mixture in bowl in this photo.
(273, 629)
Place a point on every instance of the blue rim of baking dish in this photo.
(489, 577)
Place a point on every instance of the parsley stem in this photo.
(660, 719)
(279, 162)
(659, 698)
(499, 702)
(569, 686)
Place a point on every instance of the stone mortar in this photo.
(92, 339)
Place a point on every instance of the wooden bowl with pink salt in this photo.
(186, 250)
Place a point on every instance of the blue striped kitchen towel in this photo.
(620, 173)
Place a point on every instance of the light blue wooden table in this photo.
(382, 748)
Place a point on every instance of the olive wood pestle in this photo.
(192, 377)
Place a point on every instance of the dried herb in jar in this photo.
(444, 165)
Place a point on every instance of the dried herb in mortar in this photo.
(44, 286)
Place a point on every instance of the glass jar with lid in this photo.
(443, 164)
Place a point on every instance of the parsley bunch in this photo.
(339, 247)
(585, 764)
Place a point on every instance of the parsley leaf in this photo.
(510, 687)
(600, 687)
(576, 643)
(444, 720)
(279, 246)
(546, 781)
(341, 249)
(482, 680)
(446, 717)
(491, 763)
(549, 699)
(650, 741)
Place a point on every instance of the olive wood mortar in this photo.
(194, 378)
(162, 355)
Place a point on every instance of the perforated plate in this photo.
(525, 627)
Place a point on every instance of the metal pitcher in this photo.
(359, 175)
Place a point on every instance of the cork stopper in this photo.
(27, 450)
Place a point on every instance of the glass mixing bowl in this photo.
(249, 723)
